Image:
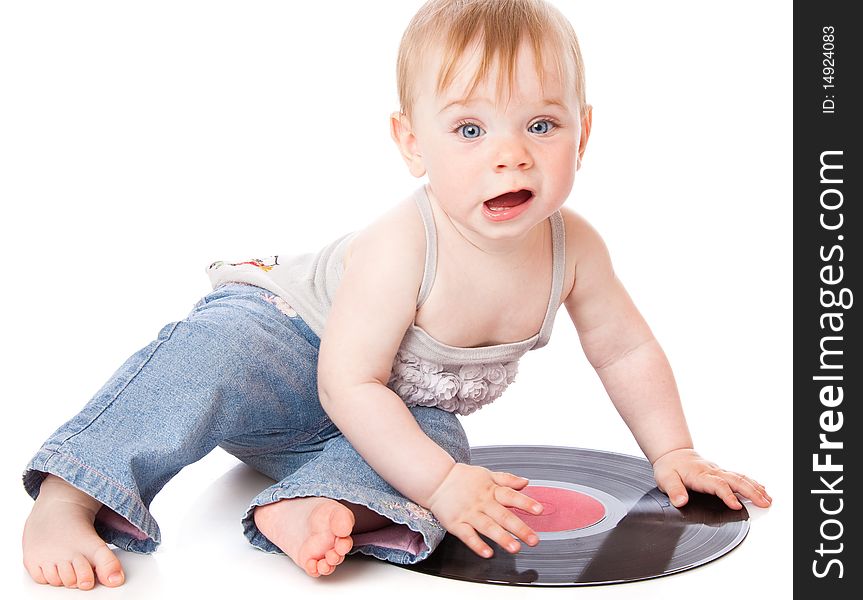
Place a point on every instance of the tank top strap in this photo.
(424, 204)
(558, 237)
(558, 263)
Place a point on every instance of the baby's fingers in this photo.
(491, 526)
(509, 480)
(748, 488)
(471, 539)
(713, 484)
(510, 497)
(672, 485)
(485, 525)
(511, 523)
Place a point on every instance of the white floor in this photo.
(205, 554)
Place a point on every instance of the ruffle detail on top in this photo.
(461, 389)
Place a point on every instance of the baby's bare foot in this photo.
(314, 532)
(61, 547)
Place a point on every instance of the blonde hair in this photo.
(500, 25)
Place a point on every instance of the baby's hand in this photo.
(473, 499)
(685, 467)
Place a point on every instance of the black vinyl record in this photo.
(641, 535)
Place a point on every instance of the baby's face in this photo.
(488, 147)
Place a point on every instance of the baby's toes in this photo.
(343, 545)
(312, 567)
(334, 558)
(51, 575)
(83, 573)
(342, 522)
(108, 568)
(36, 574)
(67, 573)
(325, 568)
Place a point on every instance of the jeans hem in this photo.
(396, 508)
(99, 486)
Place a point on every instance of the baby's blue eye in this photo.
(545, 126)
(470, 131)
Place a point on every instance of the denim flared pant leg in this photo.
(240, 372)
(339, 472)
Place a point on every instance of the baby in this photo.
(339, 374)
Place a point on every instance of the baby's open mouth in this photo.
(509, 200)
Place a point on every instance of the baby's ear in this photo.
(586, 123)
(403, 136)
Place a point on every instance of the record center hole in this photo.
(562, 509)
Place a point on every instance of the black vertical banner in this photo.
(828, 367)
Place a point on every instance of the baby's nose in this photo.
(512, 156)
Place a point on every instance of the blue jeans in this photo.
(239, 372)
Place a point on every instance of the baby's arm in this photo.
(638, 378)
(372, 309)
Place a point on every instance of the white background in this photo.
(141, 141)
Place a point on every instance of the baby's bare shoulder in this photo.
(400, 227)
(580, 234)
(585, 248)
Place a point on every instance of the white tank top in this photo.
(426, 372)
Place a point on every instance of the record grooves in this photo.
(636, 534)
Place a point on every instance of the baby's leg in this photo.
(310, 514)
(204, 379)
